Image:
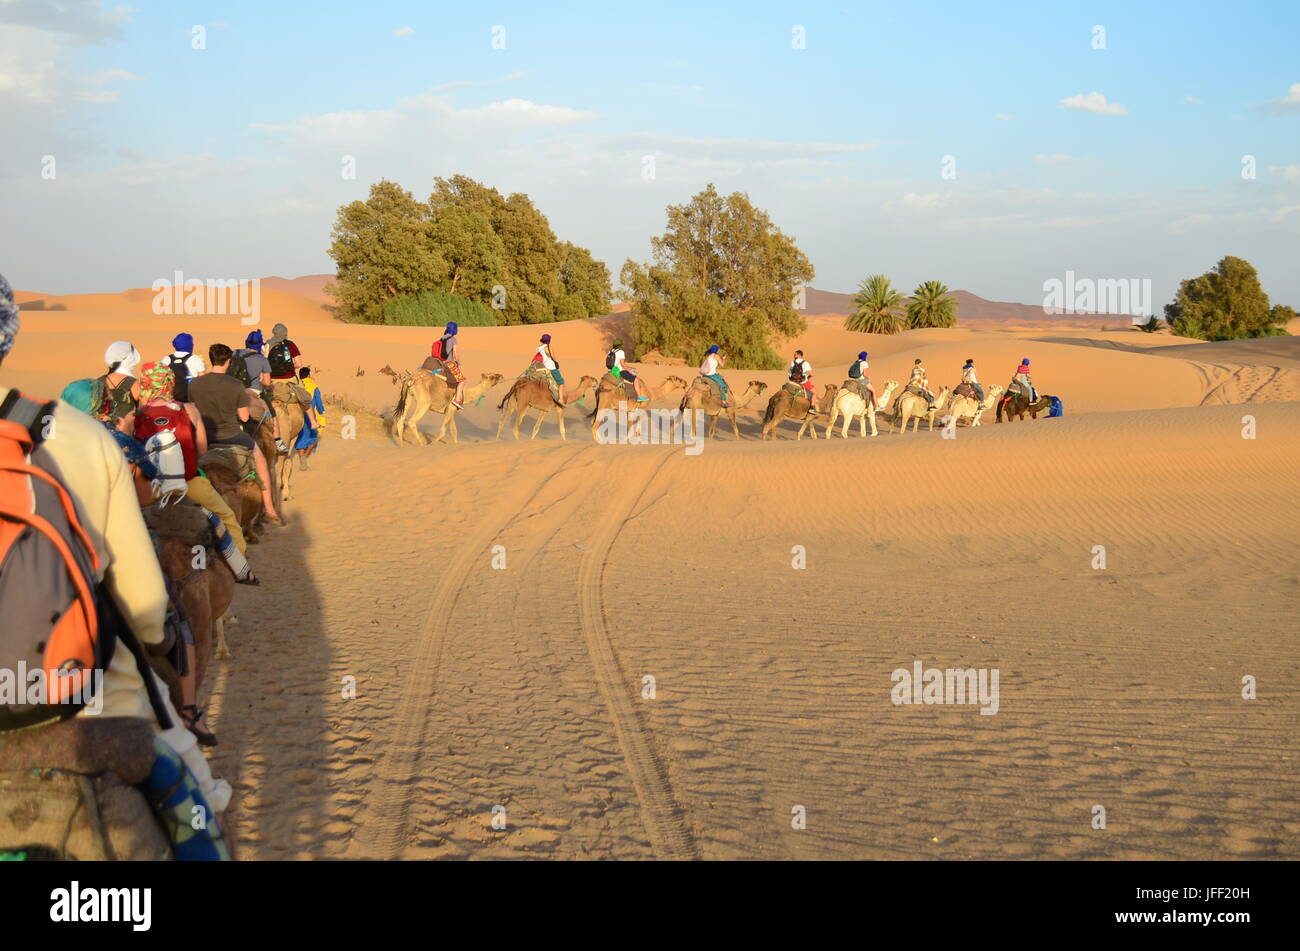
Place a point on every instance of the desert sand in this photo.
(524, 687)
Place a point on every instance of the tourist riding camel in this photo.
(224, 405)
(546, 359)
(919, 383)
(970, 382)
(444, 357)
(250, 366)
(710, 368)
(614, 363)
(185, 365)
(106, 549)
(800, 372)
(160, 413)
(859, 382)
(121, 388)
(309, 438)
(1021, 384)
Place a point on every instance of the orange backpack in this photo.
(51, 638)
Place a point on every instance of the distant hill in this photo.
(974, 311)
(310, 286)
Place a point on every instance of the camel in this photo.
(424, 392)
(609, 393)
(967, 407)
(850, 405)
(703, 397)
(911, 406)
(528, 394)
(1017, 405)
(206, 595)
(242, 495)
(291, 416)
(782, 406)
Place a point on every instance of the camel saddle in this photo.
(287, 391)
(183, 519)
(965, 389)
(859, 388)
(67, 792)
(795, 389)
(712, 384)
(235, 458)
(537, 371)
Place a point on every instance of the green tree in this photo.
(476, 259)
(584, 282)
(879, 307)
(436, 309)
(932, 305)
(721, 273)
(381, 249)
(1223, 304)
(1151, 326)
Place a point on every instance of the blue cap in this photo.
(713, 349)
(183, 343)
(862, 355)
(452, 328)
(253, 340)
(1024, 361)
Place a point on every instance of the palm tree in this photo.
(879, 307)
(932, 305)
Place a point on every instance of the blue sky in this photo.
(225, 161)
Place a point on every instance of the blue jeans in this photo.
(722, 384)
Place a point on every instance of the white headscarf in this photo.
(122, 358)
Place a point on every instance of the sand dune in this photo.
(524, 687)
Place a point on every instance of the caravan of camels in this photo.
(426, 391)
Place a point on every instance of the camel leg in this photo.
(519, 418)
(559, 418)
(537, 426)
(835, 409)
(223, 649)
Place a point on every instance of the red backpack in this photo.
(436, 349)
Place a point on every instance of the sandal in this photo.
(249, 578)
(191, 720)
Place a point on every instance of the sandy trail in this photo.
(522, 687)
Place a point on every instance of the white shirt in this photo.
(619, 357)
(547, 362)
(968, 375)
(710, 365)
(802, 365)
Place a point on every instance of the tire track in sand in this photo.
(393, 800)
(664, 819)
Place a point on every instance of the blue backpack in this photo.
(1056, 408)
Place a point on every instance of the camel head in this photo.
(491, 379)
(586, 383)
(758, 386)
(674, 383)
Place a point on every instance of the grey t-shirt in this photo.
(257, 365)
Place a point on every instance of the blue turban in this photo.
(183, 343)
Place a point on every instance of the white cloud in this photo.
(1288, 173)
(1058, 158)
(1192, 100)
(82, 21)
(1094, 102)
(1288, 104)
(1004, 116)
(404, 31)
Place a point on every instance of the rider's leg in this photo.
(264, 473)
